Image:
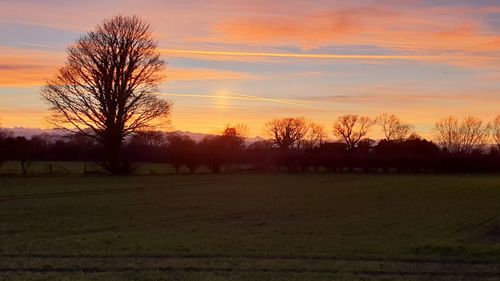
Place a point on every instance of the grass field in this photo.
(63, 168)
(250, 227)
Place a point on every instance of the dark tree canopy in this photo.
(352, 128)
(287, 132)
(107, 89)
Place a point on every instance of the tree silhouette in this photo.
(393, 128)
(107, 88)
(316, 135)
(235, 136)
(495, 131)
(233, 139)
(147, 145)
(182, 151)
(352, 128)
(462, 136)
(4, 133)
(287, 132)
(3, 136)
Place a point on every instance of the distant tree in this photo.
(496, 131)
(212, 151)
(239, 130)
(261, 145)
(420, 146)
(236, 135)
(2, 148)
(233, 139)
(287, 133)
(107, 88)
(462, 136)
(4, 133)
(447, 132)
(149, 138)
(365, 145)
(316, 135)
(182, 150)
(413, 145)
(393, 128)
(147, 145)
(352, 128)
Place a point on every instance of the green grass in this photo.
(250, 227)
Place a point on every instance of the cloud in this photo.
(226, 95)
(310, 31)
(192, 74)
(26, 68)
(494, 77)
(416, 30)
(30, 117)
(30, 67)
(367, 57)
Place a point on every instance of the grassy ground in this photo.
(250, 227)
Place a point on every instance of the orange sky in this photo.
(250, 61)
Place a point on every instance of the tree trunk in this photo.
(115, 163)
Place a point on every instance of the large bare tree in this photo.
(352, 128)
(462, 136)
(107, 88)
(287, 132)
(393, 128)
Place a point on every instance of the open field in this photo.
(66, 168)
(250, 227)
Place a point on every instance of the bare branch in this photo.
(393, 128)
(462, 136)
(351, 128)
(288, 132)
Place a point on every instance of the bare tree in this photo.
(393, 128)
(287, 132)
(448, 133)
(462, 136)
(476, 134)
(352, 128)
(315, 136)
(495, 131)
(107, 89)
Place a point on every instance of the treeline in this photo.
(294, 144)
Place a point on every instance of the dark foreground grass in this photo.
(250, 227)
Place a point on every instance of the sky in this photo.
(234, 61)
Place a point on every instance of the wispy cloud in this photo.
(236, 96)
(325, 56)
(191, 74)
(420, 32)
(32, 67)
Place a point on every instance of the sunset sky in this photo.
(232, 61)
